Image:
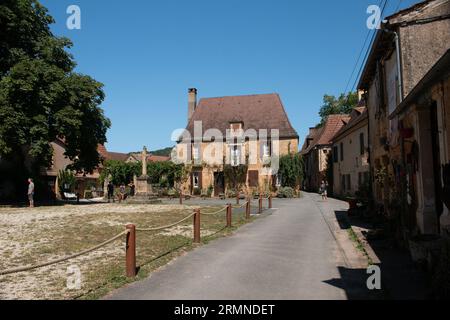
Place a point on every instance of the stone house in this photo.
(251, 130)
(84, 182)
(317, 148)
(350, 154)
(406, 137)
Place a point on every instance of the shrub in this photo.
(286, 192)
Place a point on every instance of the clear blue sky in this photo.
(148, 53)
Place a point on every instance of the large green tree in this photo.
(41, 96)
(337, 105)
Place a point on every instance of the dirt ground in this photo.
(30, 236)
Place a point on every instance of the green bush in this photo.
(286, 192)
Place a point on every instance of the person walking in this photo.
(31, 192)
(110, 191)
(122, 191)
(323, 190)
(132, 189)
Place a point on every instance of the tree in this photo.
(342, 105)
(291, 170)
(41, 97)
(235, 176)
(120, 172)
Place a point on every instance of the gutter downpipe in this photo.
(402, 142)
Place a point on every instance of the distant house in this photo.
(405, 80)
(317, 149)
(235, 116)
(350, 154)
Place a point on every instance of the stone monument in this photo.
(144, 192)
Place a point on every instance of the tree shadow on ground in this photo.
(354, 284)
(401, 278)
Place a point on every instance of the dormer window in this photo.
(236, 126)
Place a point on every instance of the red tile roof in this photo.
(324, 135)
(153, 158)
(358, 114)
(262, 111)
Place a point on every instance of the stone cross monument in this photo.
(144, 193)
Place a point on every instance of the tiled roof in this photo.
(153, 158)
(263, 111)
(117, 156)
(359, 114)
(326, 133)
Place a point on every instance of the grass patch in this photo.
(57, 235)
(359, 245)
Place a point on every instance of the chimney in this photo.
(192, 102)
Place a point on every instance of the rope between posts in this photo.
(165, 227)
(240, 207)
(40, 265)
(214, 213)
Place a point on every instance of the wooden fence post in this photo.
(260, 204)
(197, 226)
(247, 209)
(130, 250)
(181, 197)
(229, 214)
(270, 201)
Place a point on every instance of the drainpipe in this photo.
(399, 68)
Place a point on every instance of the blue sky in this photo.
(148, 53)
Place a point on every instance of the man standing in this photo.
(31, 192)
(110, 191)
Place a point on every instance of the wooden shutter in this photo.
(253, 176)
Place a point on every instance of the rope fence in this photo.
(73, 256)
(130, 233)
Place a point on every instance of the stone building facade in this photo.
(405, 154)
(249, 130)
(317, 148)
(350, 155)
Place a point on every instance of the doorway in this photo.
(219, 183)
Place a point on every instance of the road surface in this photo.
(289, 254)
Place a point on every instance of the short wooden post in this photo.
(270, 201)
(197, 226)
(260, 204)
(237, 198)
(229, 214)
(181, 197)
(247, 209)
(130, 250)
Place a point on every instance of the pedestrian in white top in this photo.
(31, 192)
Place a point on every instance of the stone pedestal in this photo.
(144, 193)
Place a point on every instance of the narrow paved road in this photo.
(290, 254)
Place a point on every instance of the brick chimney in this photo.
(192, 102)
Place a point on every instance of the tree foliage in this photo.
(291, 170)
(344, 104)
(235, 176)
(41, 97)
(158, 172)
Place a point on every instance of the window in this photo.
(335, 154)
(278, 180)
(342, 151)
(266, 150)
(196, 152)
(362, 148)
(235, 156)
(196, 180)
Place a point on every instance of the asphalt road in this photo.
(290, 254)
